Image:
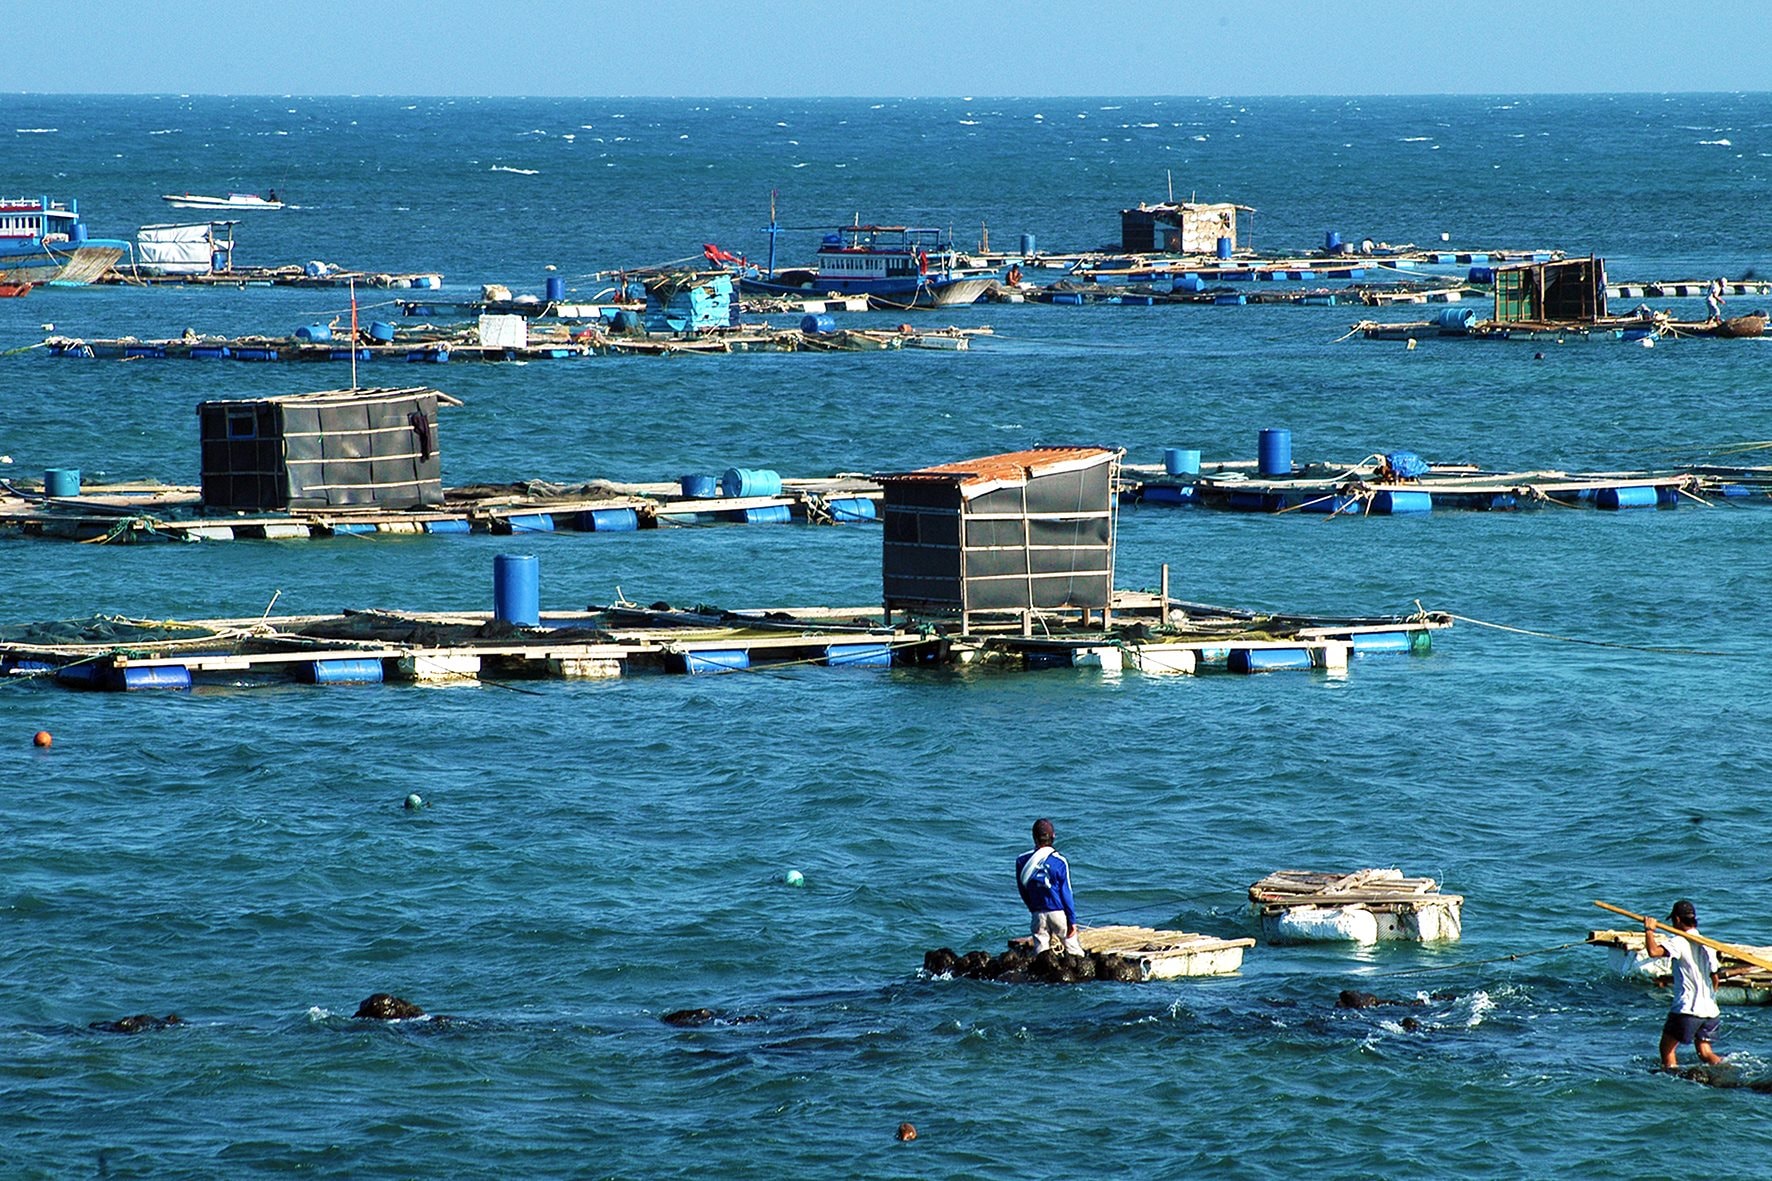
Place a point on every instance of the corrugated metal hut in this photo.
(1006, 534)
(1179, 227)
(1568, 291)
(332, 449)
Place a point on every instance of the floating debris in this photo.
(1302, 906)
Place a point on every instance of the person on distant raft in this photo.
(1044, 878)
(1693, 1015)
(1714, 300)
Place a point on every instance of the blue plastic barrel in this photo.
(1167, 493)
(80, 232)
(1370, 643)
(847, 510)
(516, 589)
(382, 331)
(313, 332)
(61, 482)
(1181, 461)
(1455, 321)
(1617, 498)
(152, 676)
(721, 660)
(1070, 297)
(740, 481)
(449, 525)
(1230, 301)
(700, 487)
(774, 514)
(858, 656)
(1224, 248)
(818, 325)
(1482, 275)
(1190, 283)
(1027, 245)
(1332, 242)
(348, 670)
(1399, 503)
(609, 520)
(1263, 660)
(531, 523)
(556, 289)
(1273, 452)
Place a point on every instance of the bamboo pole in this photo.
(1757, 959)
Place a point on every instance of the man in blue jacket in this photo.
(1044, 879)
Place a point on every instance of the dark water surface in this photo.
(596, 855)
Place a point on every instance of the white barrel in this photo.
(1324, 924)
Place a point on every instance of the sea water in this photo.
(595, 855)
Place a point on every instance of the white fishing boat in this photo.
(231, 201)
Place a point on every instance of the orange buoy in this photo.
(907, 1131)
(41, 738)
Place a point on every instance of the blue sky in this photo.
(832, 47)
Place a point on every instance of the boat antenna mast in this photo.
(1170, 173)
(774, 231)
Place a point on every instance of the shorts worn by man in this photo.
(1693, 1014)
(1044, 878)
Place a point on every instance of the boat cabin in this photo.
(370, 448)
(1010, 534)
(1567, 291)
(38, 219)
(879, 252)
(1180, 227)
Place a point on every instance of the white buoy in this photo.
(794, 877)
(1648, 342)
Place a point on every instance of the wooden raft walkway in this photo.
(613, 640)
(122, 513)
(1366, 489)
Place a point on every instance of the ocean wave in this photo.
(1716, 143)
(518, 171)
(38, 130)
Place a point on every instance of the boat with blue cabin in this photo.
(44, 241)
(896, 267)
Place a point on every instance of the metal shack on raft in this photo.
(366, 448)
(1006, 535)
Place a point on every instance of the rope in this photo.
(1659, 650)
(1500, 959)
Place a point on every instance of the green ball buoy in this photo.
(414, 802)
(794, 877)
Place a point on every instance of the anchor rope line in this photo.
(1500, 959)
(1657, 649)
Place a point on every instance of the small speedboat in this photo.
(234, 201)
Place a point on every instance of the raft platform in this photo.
(599, 641)
(124, 513)
(1150, 954)
(1368, 905)
(279, 276)
(1626, 957)
(1370, 487)
(432, 345)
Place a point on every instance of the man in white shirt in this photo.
(1692, 1016)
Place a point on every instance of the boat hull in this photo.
(190, 201)
(935, 293)
(63, 268)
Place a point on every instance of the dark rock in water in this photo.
(1409, 1024)
(1723, 1076)
(1055, 967)
(975, 965)
(694, 1017)
(940, 961)
(1117, 968)
(1016, 959)
(139, 1023)
(1353, 999)
(688, 1017)
(387, 1007)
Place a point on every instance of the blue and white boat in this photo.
(896, 267)
(44, 241)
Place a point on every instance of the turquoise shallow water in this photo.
(598, 854)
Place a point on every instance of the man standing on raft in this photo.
(1044, 878)
(1693, 1015)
